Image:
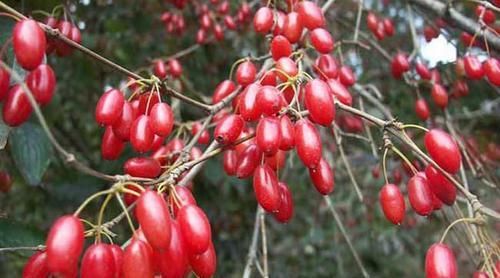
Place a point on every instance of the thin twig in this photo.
(346, 236)
(252, 250)
(264, 244)
(338, 141)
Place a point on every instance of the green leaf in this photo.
(14, 234)
(32, 151)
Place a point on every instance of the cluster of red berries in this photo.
(429, 189)
(67, 29)
(29, 44)
(211, 20)
(172, 67)
(261, 107)
(380, 27)
(174, 237)
(174, 23)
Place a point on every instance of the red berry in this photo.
(322, 177)
(161, 119)
(279, 22)
(42, 82)
(473, 67)
(308, 143)
(371, 21)
(422, 109)
(440, 262)
(420, 195)
(439, 95)
(229, 162)
(285, 211)
(205, 264)
(122, 126)
(287, 138)
(29, 43)
(141, 135)
(218, 32)
(174, 68)
(488, 15)
(4, 83)
(66, 29)
(111, 145)
(269, 101)
(36, 266)
(443, 149)
(98, 261)
(137, 260)
(263, 20)
(265, 186)
(399, 65)
(388, 27)
(280, 47)
(117, 253)
(143, 167)
(184, 197)
(154, 217)
(222, 90)
(229, 22)
(269, 79)
(440, 185)
(195, 229)
(321, 40)
(292, 28)
(248, 103)
(340, 92)
(109, 107)
(64, 245)
(248, 160)
(491, 69)
(159, 69)
(268, 135)
(423, 71)
(228, 129)
(245, 73)
(174, 261)
(319, 102)
(346, 76)
(276, 161)
(17, 107)
(310, 14)
(326, 67)
(287, 68)
(147, 101)
(393, 204)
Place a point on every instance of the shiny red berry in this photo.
(109, 107)
(440, 262)
(392, 203)
(29, 43)
(443, 149)
(154, 217)
(195, 229)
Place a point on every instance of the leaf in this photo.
(14, 234)
(4, 133)
(32, 151)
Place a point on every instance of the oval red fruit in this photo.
(29, 43)
(195, 229)
(228, 129)
(98, 261)
(64, 245)
(205, 264)
(322, 177)
(36, 266)
(268, 135)
(161, 119)
(440, 262)
(443, 149)
(308, 143)
(393, 203)
(319, 102)
(265, 185)
(137, 260)
(420, 195)
(285, 211)
(42, 82)
(17, 107)
(109, 107)
(154, 217)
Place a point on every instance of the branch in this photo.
(252, 251)
(346, 236)
(460, 20)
